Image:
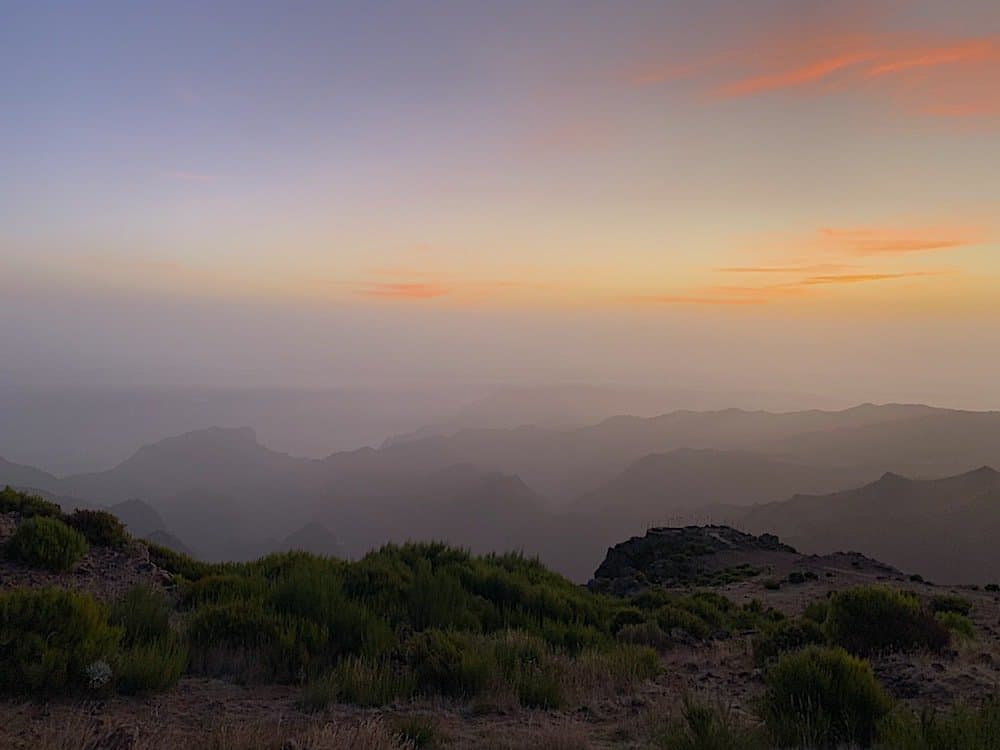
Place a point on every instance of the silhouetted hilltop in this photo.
(942, 527)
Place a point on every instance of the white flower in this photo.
(99, 674)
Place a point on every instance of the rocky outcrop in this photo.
(683, 556)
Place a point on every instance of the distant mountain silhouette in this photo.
(943, 528)
(24, 477)
(564, 494)
(316, 538)
(686, 479)
(932, 444)
(139, 517)
(168, 540)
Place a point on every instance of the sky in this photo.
(794, 194)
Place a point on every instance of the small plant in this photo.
(823, 697)
(950, 603)
(26, 504)
(772, 584)
(784, 636)
(47, 543)
(958, 624)
(796, 577)
(50, 640)
(873, 619)
(318, 694)
(99, 527)
(420, 732)
(369, 682)
(963, 727)
(151, 667)
(917, 578)
(992, 587)
(143, 613)
(704, 727)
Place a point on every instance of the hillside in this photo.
(427, 641)
(941, 527)
(684, 479)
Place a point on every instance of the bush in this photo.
(703, 727)
(787, 635)
(27, 505)
(143, 614)
(371, 682)
(47, 543)
(796, 577)
(772, 584)
(99, 527)
(182, 565)
(950, 603)
(444, 662)
(875, 619)
(992, 587)
(957, 624)
(419, 731)
(823, 697)
(817, 611)
(962, 728)
(49, 638)
(151, 666)
(645, 634)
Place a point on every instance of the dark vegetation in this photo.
(431, 620)
(46, 542)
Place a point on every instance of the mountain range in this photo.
(564, 494)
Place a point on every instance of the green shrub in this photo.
(99, 527)
(703, 727)
(180, 564)
(371, 682)
(917, 578)
(963, 727)
(817, 611)
(143, 614)
(672, 617)
(874, 619)
(822, 697)
(49, 638)
(796, 577)
(957, 624)
(318, 693)
(46, 543)
(148, 667)
(27, 505)
(992, 587)
(772, 584)
(645, 634)
(445, 662)
(950, 603)
(781, 637)
(420, 732)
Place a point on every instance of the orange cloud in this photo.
(819, 268)
(860, 278)
(796, 76)
(929, 74)
(405, 290)
(689, 300)
(871, 241)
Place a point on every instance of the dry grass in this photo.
(79, 731)
(564, 735)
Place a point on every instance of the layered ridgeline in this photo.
(563, 494)
(458, 650)
(945, 528)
